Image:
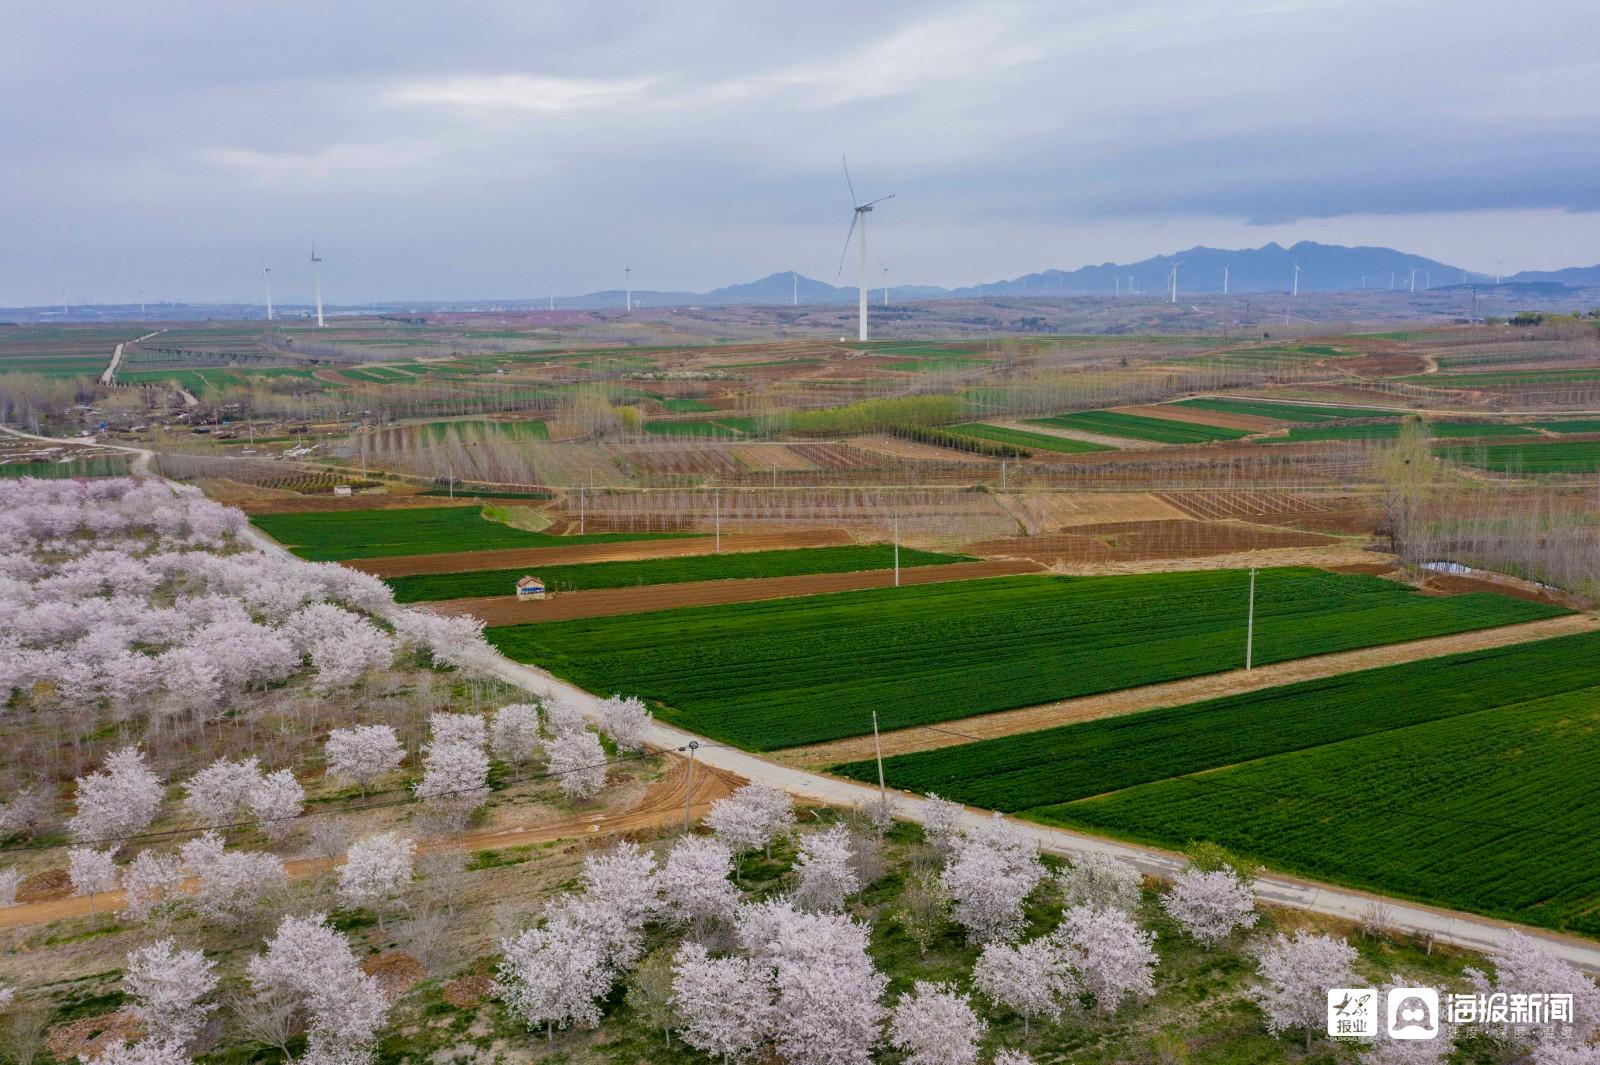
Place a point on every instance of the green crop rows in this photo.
(334, 535)
(1575, 425)
(590, 575)
(1139, 427)
(1391, 430)
(1577, 456)
(1287, 412)
(1020, 438)
(795, 671)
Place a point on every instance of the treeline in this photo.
(923, 434)
(878, 415)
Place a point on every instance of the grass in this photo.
(804, 670)
(1578, 425)
(1576, 456)
(593, 575)
(1391, 430)
(332, 536)
(1020, 438)
(686, 406)
(694, 429)
(1140, 427)
(1288, 412)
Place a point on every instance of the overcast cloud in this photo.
(503, 149)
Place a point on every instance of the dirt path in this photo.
(603, 602)
(619, 551)
(1188, 690)
(660, 806)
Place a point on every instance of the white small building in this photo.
(341, 489)
(530, 588)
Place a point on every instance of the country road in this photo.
(109, 375)
(1445, 926)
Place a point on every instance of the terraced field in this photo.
(1464, 781)
(1139, 427)
(592, 575)
(333, 536)
(795, 671)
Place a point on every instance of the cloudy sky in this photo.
(487, 149)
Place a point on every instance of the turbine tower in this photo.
(627, 284)
(316, 268)
(1173, 279)
(268, 271)
(886, 286)
(794, 276)
(1297, 272)
(1413, 280)
(1224, 279)
(858, 218)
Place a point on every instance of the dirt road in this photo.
(619, 551)
(604, 602)
(661, 806)
(1188, 690)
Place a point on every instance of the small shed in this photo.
(341, 489)
(530, 588)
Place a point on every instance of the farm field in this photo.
(1287, 412)
(1573, 425)
(804, 670)
(1575, 456)
(1391, 430)
(593, 575)
(1139, 427)
(334, 536)
(1501, 826)
(1018, 438)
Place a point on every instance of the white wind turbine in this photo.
(1297, 272)
(885, 284)
(268, 271)
(316, 267)
(859, 218)
(627, 285)
(1224, 279)
(1173, 280)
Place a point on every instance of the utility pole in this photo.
(897, 549)
(688, 787)
(580, 510)
(716, 502)
(1250, 625)
(877, 746)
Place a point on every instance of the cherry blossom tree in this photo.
(1210, 906)
(27, 811)
(9, 879)
(275, 801)
(934, 1025)
(1522, 966)
(625, 720)
(376, 869)
(1386, 1050)
(827, 989)
(218, 794)
(455, 780)
(1011, 1057)
(311, 965)
(553, 976)
(1113, 958)
(562, 715)
(941, 821)
(578, 763)
(514, 734)
(452, 642)
(694, 883)
(169, 988)
(1548, 1054)
(150, 1052)
(1032, 979)
(751, 817)
(622, 888)
(150, 885)
(91, 871)
(469, 729)
(363, 753)
(344, 658)
(230, 883)
(825, 876)
(119, 800)
(1101, 881)
(989, 876)
(1295, 977)
(725, 1003)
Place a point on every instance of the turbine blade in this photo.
(847, 181)
(880, 199)
(854, 217)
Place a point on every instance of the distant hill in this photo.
(1572, 276)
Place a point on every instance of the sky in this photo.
(505, 150)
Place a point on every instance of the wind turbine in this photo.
(794, 276)
(268, 271)
(885, 284)
(1413, 279)
(627, 284)
(1297, 273)
(1173, 298)
(1225, 279)
(859, 218)
(316, 267)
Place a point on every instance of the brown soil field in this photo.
(1195, 416)
(621, 551)
(605, 602)
(675, 460)
(660, 806)
(1128, 541)
(1188, 690)
(764, 458)
(1386, 364)
(394, 500)
(1051, 511)
(1117, 442)
(1240, 503)
(834, 456)
(895, 448)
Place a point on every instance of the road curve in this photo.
(1445, 926)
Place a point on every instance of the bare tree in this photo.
(272, 1019)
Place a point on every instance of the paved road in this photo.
(109, 375)
(1445, 926)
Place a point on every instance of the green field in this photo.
(1577, 456)
(1391, 430)
(590, 575)
(107, 466)
(795, 671)
(335, 535)
(1139, 427)
(1491, 378)
(686, 406)
(1288, 412)
(999, 434)
(694, 429)
(1575, 425)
